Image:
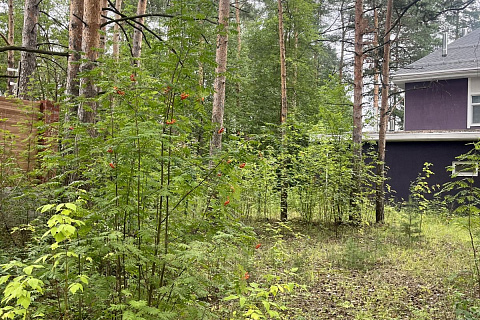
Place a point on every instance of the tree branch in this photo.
(16, 48)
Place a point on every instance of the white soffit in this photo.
(427, 136)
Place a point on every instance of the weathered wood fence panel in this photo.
(19, 134)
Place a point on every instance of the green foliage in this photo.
(26, 286)
(466, 308)
(258, 301)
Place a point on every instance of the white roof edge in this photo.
(401, 79)
(426, 136)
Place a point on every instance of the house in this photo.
(442, 115)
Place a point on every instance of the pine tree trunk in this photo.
(138, 32)
(90, 44)
(29, 40)
(283, 117)
(116, 34)
(218, 108)
(74, 46)
(10, 54)
(357, 106)
(384, 115)
(376, 70)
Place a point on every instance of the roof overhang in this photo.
(401, 79)
(402, 136)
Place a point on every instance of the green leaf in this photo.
(4, 279)
(242, 301)
(28, 270)
(274, 290)
(35, 284)
(74, 287)
(266, 305)
(46, 208)
(24, 301)
(83, 278)
(71, 206)
(231, 297)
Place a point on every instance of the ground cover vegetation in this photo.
(131, 211)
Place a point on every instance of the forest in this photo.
(207, 160)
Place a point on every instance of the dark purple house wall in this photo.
(436, 105)
(405, 161)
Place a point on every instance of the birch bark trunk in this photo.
(10, 54)
(283, 116)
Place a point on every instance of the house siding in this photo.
(405, 161)
(436, 105)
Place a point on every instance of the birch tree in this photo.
(10, 54)
(283, 116)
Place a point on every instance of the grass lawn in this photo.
(370, 272)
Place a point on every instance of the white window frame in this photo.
(473, 90)
(473, 173)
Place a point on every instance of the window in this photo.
(476, 109)
(464, 169)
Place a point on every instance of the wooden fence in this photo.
(24, 125)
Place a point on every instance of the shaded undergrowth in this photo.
(371, 272)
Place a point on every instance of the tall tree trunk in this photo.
(218, 108)
(239, 48)
(283, 117)
(74, 46)
(29, 40)
(138, 32)
(10, 54)
(342, 41)
(116, 34)
(375, 66)
(90, 43)
(384, 112)
(357, 105)
(103, 33)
